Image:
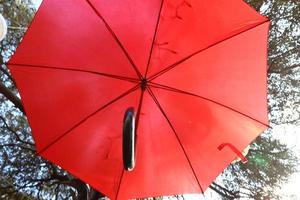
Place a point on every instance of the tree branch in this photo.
(17, 145)
(14, 132)
(12, 97)
(284, 70)
(222, 191)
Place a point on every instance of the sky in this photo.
(287, 134)
(37, 3)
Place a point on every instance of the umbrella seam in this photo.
(160, 73)
(77, 70)
(154, 37)
(164, 87)
(116, 39)
(87, 117)
(176, 135)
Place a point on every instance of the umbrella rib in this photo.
(164, 87)
(176, 135)
(154, 37)
(87, 117)
(116, 39)
(139, 110)
(154, 76)
(78, 70)
(119, 186)
(136, 127)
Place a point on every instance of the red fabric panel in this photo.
(161, 166)
(93, 151)
(202, 126)
(69, 34)
(187, 26)
(233, 73)
(56, 100)
(134, 22)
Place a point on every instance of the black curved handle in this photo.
(129, 139)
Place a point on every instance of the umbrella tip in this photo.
(144, 83)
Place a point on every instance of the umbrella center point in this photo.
(143, 84)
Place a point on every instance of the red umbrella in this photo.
(192, 73)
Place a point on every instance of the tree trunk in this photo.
(10, 96)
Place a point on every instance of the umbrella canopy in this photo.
(194, 72)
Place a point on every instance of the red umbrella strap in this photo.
(235, 150)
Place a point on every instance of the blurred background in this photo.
(273, 168)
